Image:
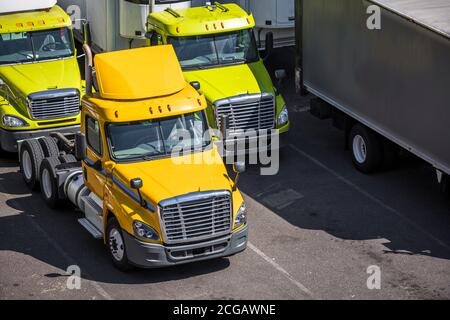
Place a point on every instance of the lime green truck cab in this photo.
(217, 50)
(40, 81)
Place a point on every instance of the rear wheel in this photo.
(49, 146)
(366, 148)
(31, 156)
(67, 158)
(116, 245)
(49, 183)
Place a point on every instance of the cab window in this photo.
(93, 135)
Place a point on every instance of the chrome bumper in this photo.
(147, 255)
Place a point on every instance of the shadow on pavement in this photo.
(56, 238)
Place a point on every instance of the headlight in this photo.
(144, 232)
(283, 117)
(13, 122)
(241, 217)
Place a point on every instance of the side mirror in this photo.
(269, 45)
(87, 38)
(148, 35)
(238, 168)
(280, 74)
(80, 146)
(137, 184)
(196, 85)
(154, 39)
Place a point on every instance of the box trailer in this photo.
(116, 24)
(381, 69)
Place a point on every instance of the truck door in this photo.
(94, 175)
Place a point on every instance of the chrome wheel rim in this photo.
(26, 165)
(46, 183)
(116, 245)
(359, 149)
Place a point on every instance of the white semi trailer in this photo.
(116, 24)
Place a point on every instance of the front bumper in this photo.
(255, 144)
(9, 139)
(147, 255)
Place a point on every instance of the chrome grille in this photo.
(247, 112)
(196, 216)
(54, 104)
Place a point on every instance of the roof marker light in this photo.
(160, 109)
(215, 27)
(199, 102)
(151, 110)
(30, 23)
(223, 25)
(19, 24)
(178, 29)
(169, 108)
(207, 28)
(61, 20)
(116, 114)
(41, 22)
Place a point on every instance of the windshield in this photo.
(143, 140)
(22, 47)
(215, 50)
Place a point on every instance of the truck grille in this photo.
(247, 112)
(196, 216)
(54, 104)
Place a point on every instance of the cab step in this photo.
(90, 228)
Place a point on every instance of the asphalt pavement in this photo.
(317, 228)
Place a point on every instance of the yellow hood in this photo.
(168, 178)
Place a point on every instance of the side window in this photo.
(93, 136)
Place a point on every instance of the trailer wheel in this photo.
(366, 148)
(31, 156)
(116, 245)
(49, 146)
(67, 158)
(49, 184)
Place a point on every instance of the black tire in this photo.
(122, 264)
(48, 183)
(67, 158)
(371, 159)
(49, 146)
(31, 169)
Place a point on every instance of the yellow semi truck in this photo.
(152, 206)
(218, 52)
(40, 82)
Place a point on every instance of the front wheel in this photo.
(366, 147)
(116, 245)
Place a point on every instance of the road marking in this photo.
(280, 269)
(368, 195)
(53, 243)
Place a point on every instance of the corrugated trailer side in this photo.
(395, 80)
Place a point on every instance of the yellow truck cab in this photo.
(216, 47)
(40, 82)
(152, 205)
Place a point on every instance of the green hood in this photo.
(224, 82)
(24, 79)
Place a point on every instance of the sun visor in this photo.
(139, 73)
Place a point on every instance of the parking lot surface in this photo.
(316, 228)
